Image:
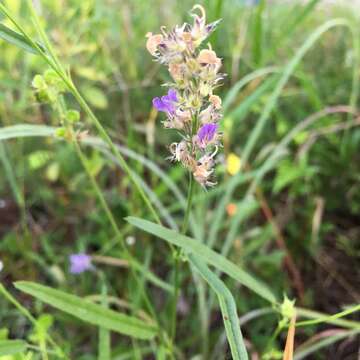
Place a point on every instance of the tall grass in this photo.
(294, 70)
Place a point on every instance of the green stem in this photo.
(189, 204)
(55, 64)
(61, 109)
(115, 151)
(177, 256)
(33, 320)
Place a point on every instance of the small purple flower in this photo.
(166, 103)
(80, 263)
(206, 134)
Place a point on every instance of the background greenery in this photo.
(296, 227)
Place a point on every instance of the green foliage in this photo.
(10, 347)
(208, 255)
(86, 311)
(81, 150)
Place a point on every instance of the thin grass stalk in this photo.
(100, 196)
(178, 254)
(55, 64)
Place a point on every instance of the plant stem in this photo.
(177, 256)
(55, 64)
(189, 204)
(61, 109)
(25, 312)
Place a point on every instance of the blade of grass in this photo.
(17, 39)
(288, 70)
(326, 319)
(227, 306)
(281, 146)
(11, 347)
(9, 173)
(240, 112)
(89, 312)
(304, 353)
(258, 32)
(104, 334)
(52, 60)
(311, 314)
(205, 253)
(25, 312)
(235, 89)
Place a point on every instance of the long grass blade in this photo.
(289, 69)
(206, 254)
(89, 312)
(227, 306)
(15, 38)
(11, 347)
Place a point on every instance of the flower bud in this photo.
(153, 42)
(215, 101)
(207, 57)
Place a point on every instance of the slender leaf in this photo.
(227, 306)
(303, 353)
(104, 334)
(311, 314)
(233, 92)
(17, 39)
(288, 70)
(10, 347)
(258, 32)
(26, 130)
(241, 111)
(205, 253)
(92, 313)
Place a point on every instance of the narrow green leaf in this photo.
(304, 352)
(10, 347)
(104, 334)
(241, 111)
(288, 71)
(205, 253)
(17, 39)
(26, 130)
(86, 311)
(258, 32)
(227, 306)
(235, 89)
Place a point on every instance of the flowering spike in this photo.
(190, 105)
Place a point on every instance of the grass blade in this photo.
(15, 38)
(104, 334)
(258, 32)
(305, 352)
(10, 347)
(25, 130)
(205, 253)
(227, 306)
(240, 112)
(89, 312)
(233, 92)
(289, 69)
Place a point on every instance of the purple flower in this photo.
(166, 103)
(80, 263)
(206, 134)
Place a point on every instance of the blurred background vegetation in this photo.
(298, 231)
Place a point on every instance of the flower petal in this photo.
(172, 95)
(159, 105)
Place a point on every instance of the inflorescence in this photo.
(190, 105)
